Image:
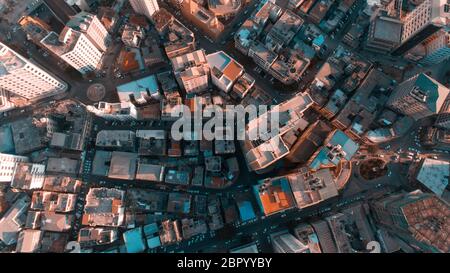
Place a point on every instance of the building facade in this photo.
(420, 96)
(425, 20)
(145, 7)
(24, 78)
(81, 44)
(437, 48)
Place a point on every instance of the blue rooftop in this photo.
(139, 87)
(154, 242)
(349, 147)
(219, 59)
(134, 242)
(319, 40)
(246, 211)
(150, 229)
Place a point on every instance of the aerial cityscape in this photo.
(224, 126)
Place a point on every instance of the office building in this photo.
(418, 97)
(425, 20)
(81, 44)
(24, 78)
(145, 7)
(437, 48)
(384, 33)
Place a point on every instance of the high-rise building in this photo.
(145, 7)
(425, 20)
(90, 25)
(420, 219)
(384, 33)
(82, 42)
(24, 78)
(437, 47)
(418, 97)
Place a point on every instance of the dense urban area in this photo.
(359, 163)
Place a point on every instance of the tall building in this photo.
(418, 218)
(90, 25)
(425, 20)
(418, 97)
(202, 17)
(437, 47)
(384, 33)
(145, 7)
(81, 44)
(25, 78)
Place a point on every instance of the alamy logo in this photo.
(232, 122)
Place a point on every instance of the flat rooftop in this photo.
(146, 86)
(388, 29)
(434, 175)
(123, 166)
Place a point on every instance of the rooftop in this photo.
(141, 89)
(10, 60)
(104, 207)
(224, 68)
(388, 29)
(123, 165)
(28, 176)
(13, 220)
(61, 184)
(179, 203)
(116, 139)
(134, 242)
(428, 221)
(338, 146)
(274, 195)
(310, 188)
(434, 175)
(150, 172)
